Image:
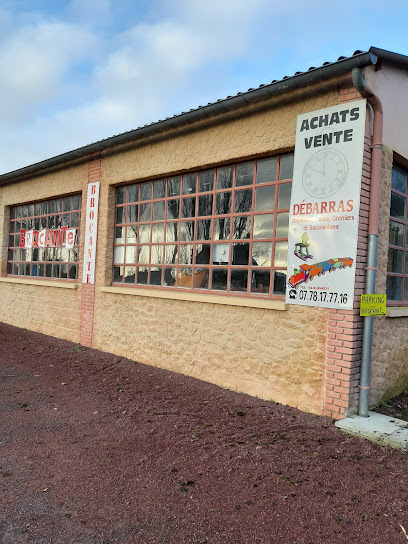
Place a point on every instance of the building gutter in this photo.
(374, 214)
(297, 81)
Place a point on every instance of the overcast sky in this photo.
(76, 71)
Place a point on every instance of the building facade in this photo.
(191, 240)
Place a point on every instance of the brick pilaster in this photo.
(345, 327)
(88, 290)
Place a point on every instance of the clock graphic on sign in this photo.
(324, 173)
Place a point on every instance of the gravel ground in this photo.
(98, 449)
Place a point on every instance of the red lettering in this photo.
(89, 253)
(91, 227)
(331, 206)
(93, 189)
(89, 266)
(22, 237)
(309, 208)
(90, 243)
(296, 209)
(349, 206)
(341, 207)
(88, 278)
(324, 207)
(71, 236)
(92, 203)
(91, 215)
(56, 237)
(63, 232)
(48, 238)
(35, 238)
(41, 238)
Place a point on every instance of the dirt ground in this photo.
(98, 449)
(396, 407)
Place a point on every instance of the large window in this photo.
(44, 239)
(397, 275)
(222, 230)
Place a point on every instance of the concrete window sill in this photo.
(397, 311)
(41, 283)
(195, 297)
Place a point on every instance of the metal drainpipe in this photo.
(374, 213)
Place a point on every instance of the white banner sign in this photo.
(324, 208)
(91, 231)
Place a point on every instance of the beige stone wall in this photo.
(389, 371)
(48, 310)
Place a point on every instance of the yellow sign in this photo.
(372, 305)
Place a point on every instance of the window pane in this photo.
(240, 254)
(279, 282)
(281, 254)
(185, 278)
(261, 254)
(72, 271)
(156, 255)
(204, 229)
(406, 289)
(202, 252)
(260, 281)
(145, 212)
(120, 215)
(286, 167)
(189, 183)
(222, 228)
(130, 274)
(395, 257)
(169, 277)
(185, 254)
(266, 170)
(263, 226)
(221, 254)
(155, 276)
(223, 203)
(158, 232)
(399, 179)
(219, 279)
(120, 195)
(173, 186)
(243, 201)
(188, 207)
(130, 255)
(242, 227)
(132, 213)
(141, 275)
(159, 189)
(172, 232)
(173, 209)
(394, 288)
(170, 256)
(265, 198)
(397, 209)
(396, 234)
(133, 193)
(284, 195)
(143, 255)
(158, 211)
(146, 190)
(239, 280)
(144, 234)
(206, 181)
(205, 203)
(75, 204)
(224, 177)
(282, 225)
(244, 174)
(187, 231)
(131, 234)
(119, 254)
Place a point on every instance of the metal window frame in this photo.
(194, 242)
(54, 264)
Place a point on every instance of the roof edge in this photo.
(303, 79)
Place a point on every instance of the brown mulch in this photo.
(98, 449)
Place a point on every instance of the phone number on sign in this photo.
(322, 296)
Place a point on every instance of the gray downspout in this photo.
(371, 268)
